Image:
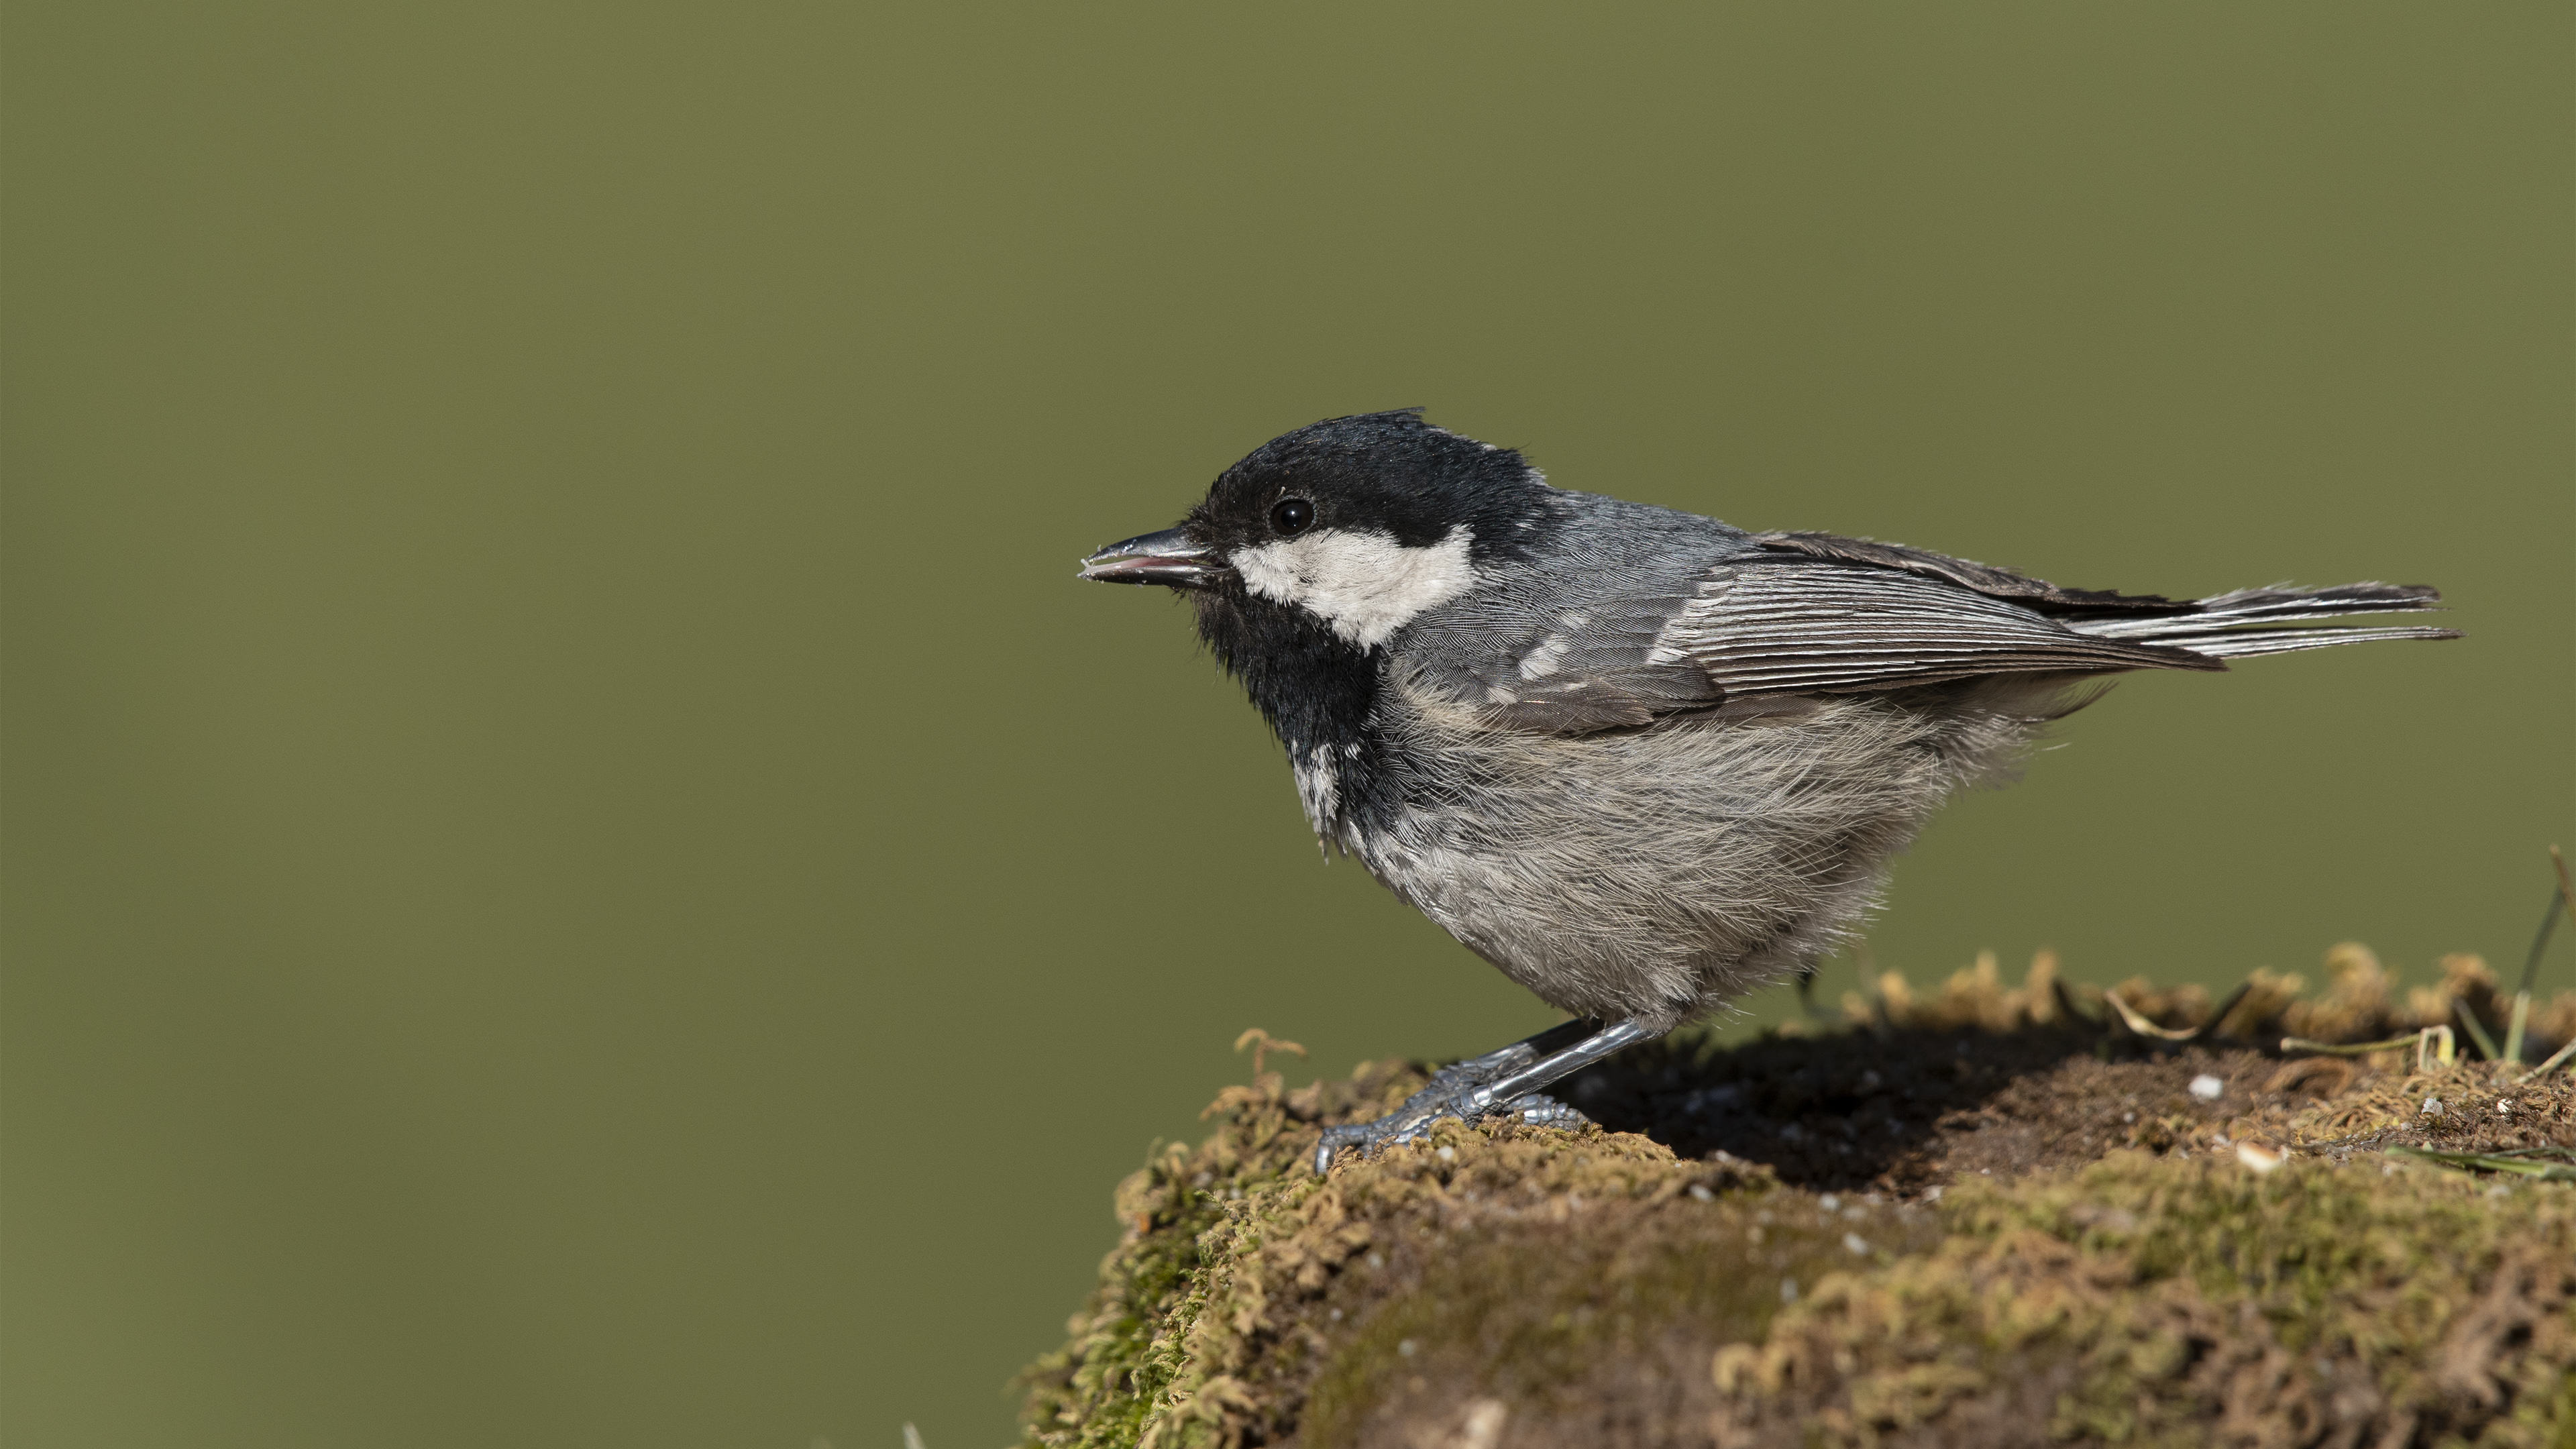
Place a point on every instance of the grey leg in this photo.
(1502, 1081)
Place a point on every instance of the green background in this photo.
(580, 871)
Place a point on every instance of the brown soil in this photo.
(1910, 1110)
(1987, 1080)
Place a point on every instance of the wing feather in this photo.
(1783, 614)
(1830, 626)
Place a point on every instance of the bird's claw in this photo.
(1449, 1100)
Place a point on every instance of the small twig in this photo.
(2445, 1050)
(2346, 1049)
(2477, 1032)
(2135, 1021)
(2436, 1038)
(2556, 1060)
(2562, 898)
(2525, 1161)
(2137, 1024)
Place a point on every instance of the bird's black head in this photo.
(1390, 476)
(1314, 550)
(1360, 523)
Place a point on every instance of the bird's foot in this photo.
(1463, 1093)
(1540, 1110)
(1503, 1083)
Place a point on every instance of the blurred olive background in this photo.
(579, 869)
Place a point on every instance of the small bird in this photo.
(1640, 760)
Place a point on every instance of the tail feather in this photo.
(2252, 642)
(2246, 622)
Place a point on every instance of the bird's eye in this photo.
(1292, 515)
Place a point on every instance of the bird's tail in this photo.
(2248, 622)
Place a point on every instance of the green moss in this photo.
(1146, 1360)
(1525, 1309)
(1211, 1320)
(1555, 1287)
(2200, 1297)
(2142, 1300)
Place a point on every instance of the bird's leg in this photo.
(1506, 1081)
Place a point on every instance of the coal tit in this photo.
(1640, 760)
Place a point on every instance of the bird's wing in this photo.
(1816, 614)
(1559, 666)
(1994, 583)
(1771, 615)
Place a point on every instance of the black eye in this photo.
(1292, 515)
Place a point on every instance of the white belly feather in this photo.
(1663, 871)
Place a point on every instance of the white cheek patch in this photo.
(1366, 585)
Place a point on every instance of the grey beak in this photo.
(1167, 558)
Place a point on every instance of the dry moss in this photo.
(1979, 1216)
(2177, 1302)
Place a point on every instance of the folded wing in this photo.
(1810, 613)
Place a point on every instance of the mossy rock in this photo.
(2249, 1268)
